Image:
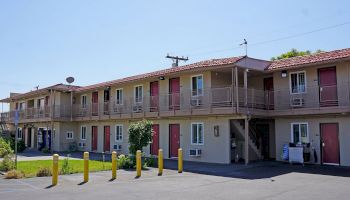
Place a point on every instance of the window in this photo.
(299, 133)
(19, 133)
(119, 97)
(197, 85)
(83, 133)
(22, 105)
(297, 82)
(69, 135)
(83, 101)
(119, 133)
(138, 94)
(197, 133)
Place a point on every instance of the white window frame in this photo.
(83, 105)
(197, 123)
(195, 76)
(136, 86)
(67, 135)
(290, 82)
(292, 131)
(23, 107)
(19, 133)
(122, 96)
(81, 133)
(122, 130)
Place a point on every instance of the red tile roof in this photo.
(319, 58)
(198, 65)
(57, 87)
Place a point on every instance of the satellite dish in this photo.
(70, 80)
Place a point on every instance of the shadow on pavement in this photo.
(257, 170)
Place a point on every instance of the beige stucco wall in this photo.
(214, 149)
(283, 134)
(282, 85)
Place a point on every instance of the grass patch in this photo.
(30, 168)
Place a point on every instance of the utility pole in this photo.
(176, 59)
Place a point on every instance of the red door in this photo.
(94, 103)
(174, 131)
(174, 93)
(154, 96)
(328, 86)
(330, 144)
(94, 139)
(269, 93)
(107, 138)
(155, 139)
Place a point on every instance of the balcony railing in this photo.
(247, 100)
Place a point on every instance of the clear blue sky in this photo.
(43, 42)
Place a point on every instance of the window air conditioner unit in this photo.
(195, 152)
(297, 102)
(117, 147)
(137, 108)
(196, 101)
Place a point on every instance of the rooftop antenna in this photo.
(176, 59)
(245, 43)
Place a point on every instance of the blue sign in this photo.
(16, 118)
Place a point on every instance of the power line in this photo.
(277, 39)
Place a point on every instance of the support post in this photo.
(246, 141)
(86, 167)
(236, 89)
(160, 162)
(179, 160)
(138, 163)
(55, 169)
(114, 165)
(246, 87)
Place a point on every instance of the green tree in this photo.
(294, 52)
(140, 135)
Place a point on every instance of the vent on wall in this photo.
(81, 144)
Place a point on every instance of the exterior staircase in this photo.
(254, 144)
(3, 125)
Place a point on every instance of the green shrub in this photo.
(7, 163)
(5, 148)
(140, 135)
(125, 162)
(45, 150)
(149, 162)
(45, 171)
(66, 168)
(14, 174)
(21, 146)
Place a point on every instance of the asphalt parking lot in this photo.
(258, 181)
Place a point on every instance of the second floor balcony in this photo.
(212, 101)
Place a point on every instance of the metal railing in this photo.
(248, 100)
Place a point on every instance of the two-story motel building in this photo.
(218, 111)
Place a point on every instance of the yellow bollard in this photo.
(86, 167)
(114, 165)
(160, 162)
(138, 163)
(55, 169)
(179, 160)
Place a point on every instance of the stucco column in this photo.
(246, 87)
(246, 141)
(236, 89)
